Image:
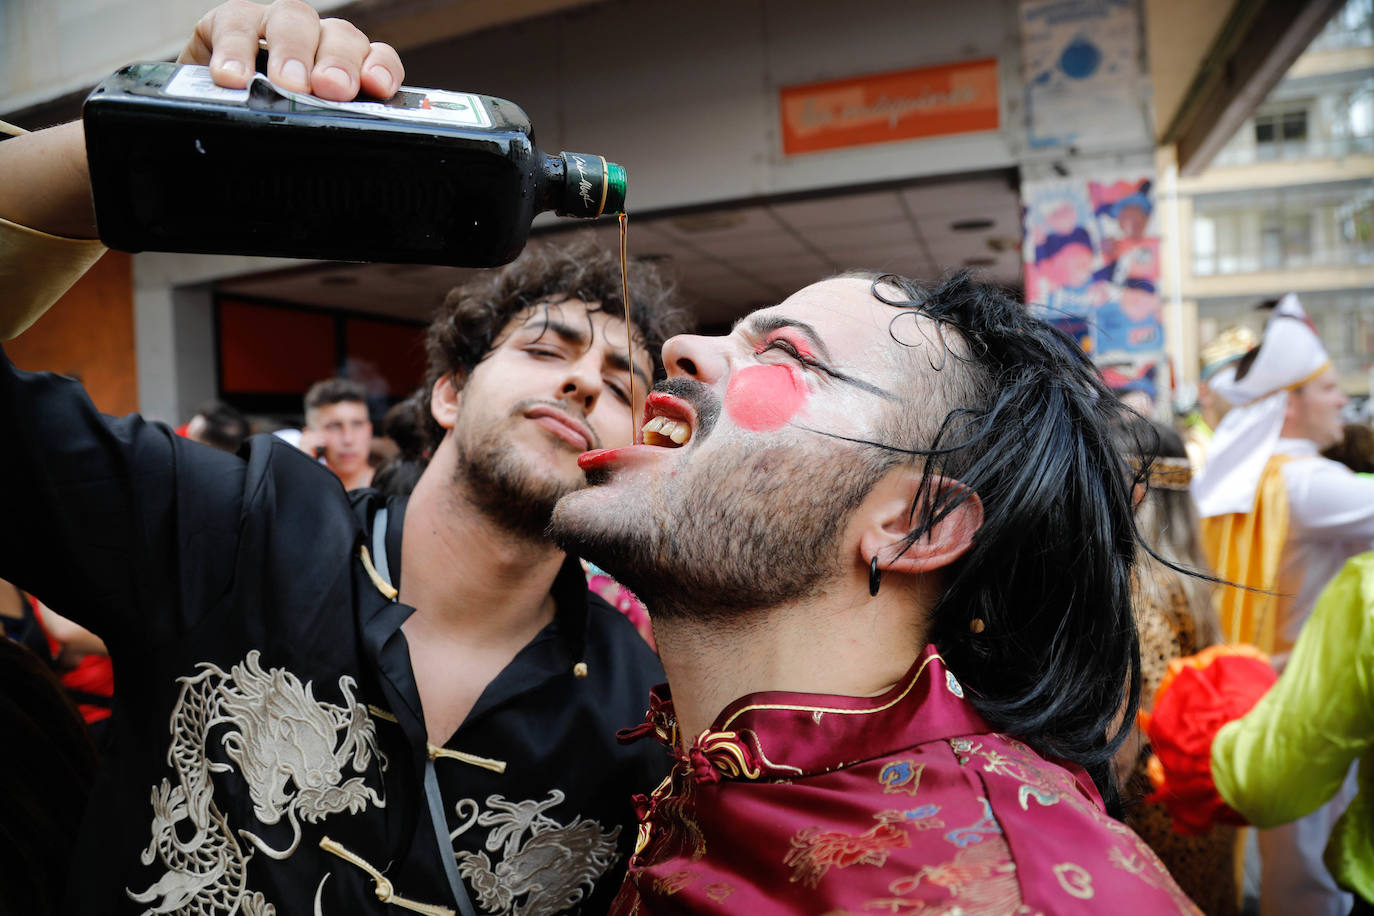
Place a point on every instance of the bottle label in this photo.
(432, 106)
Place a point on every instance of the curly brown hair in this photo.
(473, 316)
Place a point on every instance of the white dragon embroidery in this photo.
(548, 872)
(288, 750)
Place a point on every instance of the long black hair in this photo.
(1028, 428)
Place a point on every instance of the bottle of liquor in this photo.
(426, 177)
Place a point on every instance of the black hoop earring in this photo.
(875, 578)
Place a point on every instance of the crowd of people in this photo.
(913, 570)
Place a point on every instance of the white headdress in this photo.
(1290, 356)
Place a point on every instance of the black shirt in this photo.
(269, 747)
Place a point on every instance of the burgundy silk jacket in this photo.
(901, 803)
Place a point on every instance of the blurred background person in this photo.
(1281, 519)
(75, 655)
(339, 430)
(82, 664)
(218, 425)
(406, 426)
(1227, 347)
(1174, 618)
(1223, 758)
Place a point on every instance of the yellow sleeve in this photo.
(35, 270)
(1290, 753)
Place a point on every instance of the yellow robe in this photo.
(1247, 548)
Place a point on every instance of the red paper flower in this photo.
(1199, 695)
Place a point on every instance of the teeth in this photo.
(661, 430)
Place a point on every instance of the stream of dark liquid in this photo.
(629, 332)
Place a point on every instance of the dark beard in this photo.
(505, 492)
(721, 545)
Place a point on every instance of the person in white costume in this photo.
(1279, 517)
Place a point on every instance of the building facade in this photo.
(1288, 204)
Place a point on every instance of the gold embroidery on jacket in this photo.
(290, 749)
(382, 886)
(542, 867)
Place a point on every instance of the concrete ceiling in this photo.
(406, 24)
(1179, 37)
(729, 260)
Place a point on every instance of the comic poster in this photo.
(1091, 254)
(1085, 83)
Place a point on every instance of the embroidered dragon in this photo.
(290, 749)
(549, 871)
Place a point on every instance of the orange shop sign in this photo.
(925, 102)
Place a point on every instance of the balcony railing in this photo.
(1252, 260)
(1296, 150)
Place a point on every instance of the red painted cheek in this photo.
(764, 398)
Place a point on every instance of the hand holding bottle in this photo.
(329, 58)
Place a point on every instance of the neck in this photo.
(362, 477)
(843, 642)
(1292, 430)
(457, 566)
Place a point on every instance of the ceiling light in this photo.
(971, 225)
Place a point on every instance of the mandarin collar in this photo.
(782, 735)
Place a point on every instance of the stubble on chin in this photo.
(515, 494)
(720, 546)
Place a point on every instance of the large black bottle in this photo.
(427, 177)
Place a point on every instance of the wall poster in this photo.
(1085, 84)
(1091, 257)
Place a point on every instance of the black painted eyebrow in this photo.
(767, 323)
(581, 337)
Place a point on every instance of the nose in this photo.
(695, 357)
(583, 383)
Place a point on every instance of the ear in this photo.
(445, 399)
(889, 518)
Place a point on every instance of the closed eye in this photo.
(811, 362)
(786, 346)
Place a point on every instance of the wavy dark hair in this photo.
(1027, 426)
(472, 316)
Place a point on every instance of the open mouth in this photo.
(668, 421)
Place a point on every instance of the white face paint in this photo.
(747, 475)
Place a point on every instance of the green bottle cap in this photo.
(615, 188)
(592, 186)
